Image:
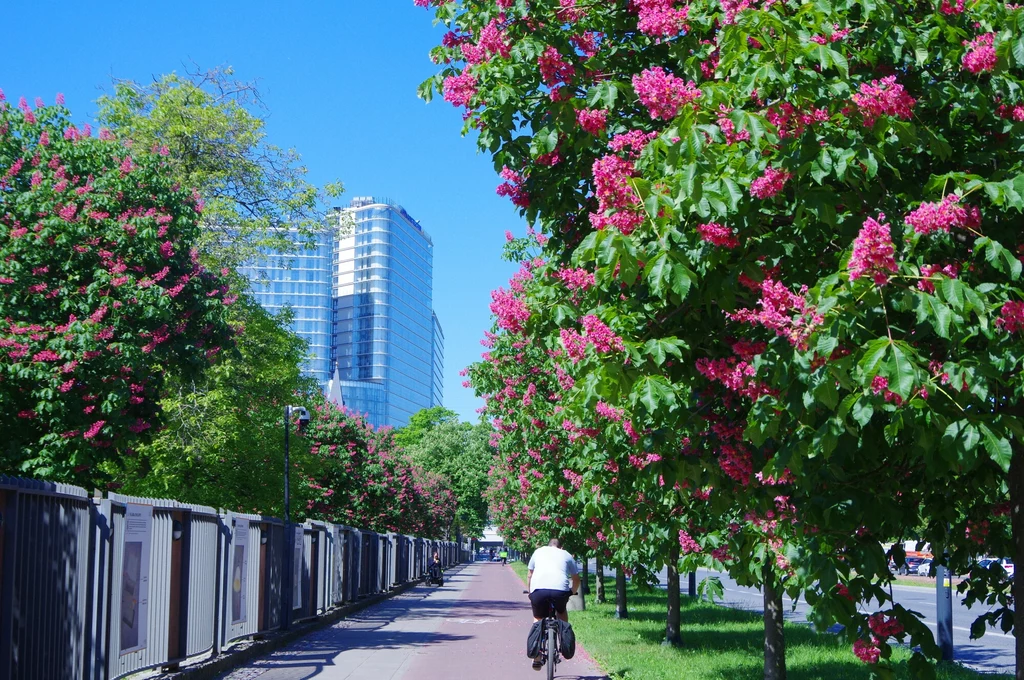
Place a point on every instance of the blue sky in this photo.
(339, 79)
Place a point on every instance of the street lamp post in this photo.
(286, 578)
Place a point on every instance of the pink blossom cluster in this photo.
(718, 234)
(632, 142)
(981, 54)
(460, 89)
(943, 215)
(977, 531)
(574, 343)
(513, 188)
(735, 376)
(1011, 317)
(873, 252)
(880, 385)
(510, 310)
(728, 128)
(554, 70)
(663, 93)
(836, 35)
(735, 461)
(588, 43)
(790, 121)
(574, 478)
(884, 626)
(627, 427)
(770, 183)
(932, 271)
(575, 279)
(614, 192)
(593, 121)
(1015, 112)
(569, 13)
(957, 8)
(600, 335)
(883, 97)
(687, 545)
(731, 8)
(781, 310)
(868, 652)
(607, 411)
(660, 18)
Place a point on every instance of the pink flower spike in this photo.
(873, 252)
(663, 93)
(770, 183)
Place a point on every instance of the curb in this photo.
(240, 654)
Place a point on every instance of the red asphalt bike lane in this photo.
(486, 635)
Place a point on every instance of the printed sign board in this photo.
(297, 569)
(137, 542)
(239, 570)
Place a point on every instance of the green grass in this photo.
(718, 643)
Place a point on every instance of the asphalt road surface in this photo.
(993, 653)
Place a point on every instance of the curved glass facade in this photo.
(384, 333)
(365, 301)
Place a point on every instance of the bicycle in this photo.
(549, 639)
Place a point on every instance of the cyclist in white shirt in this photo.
(551, 571)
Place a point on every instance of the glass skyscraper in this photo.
(300, 280)
(362, 297)
(388, 343)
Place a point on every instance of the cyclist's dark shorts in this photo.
(542, 598)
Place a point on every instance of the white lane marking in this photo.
(475, 621)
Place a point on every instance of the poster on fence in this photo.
(138, 539)
(239, 570)
(297, 569)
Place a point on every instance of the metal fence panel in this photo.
(44, 545)
(63, 577)
(243, 589)
(201, 582)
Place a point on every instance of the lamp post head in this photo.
(303, 414)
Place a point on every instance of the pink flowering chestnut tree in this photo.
(101, 292)
(730, 209)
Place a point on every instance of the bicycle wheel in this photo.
(552, 651)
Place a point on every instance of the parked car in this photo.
(924, 569)
(909, 566)
(1003, 563)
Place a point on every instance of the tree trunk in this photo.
(584, 583)
(599, 582)
(621, 612)
(672, 635)
(1017, 522)
(774, 635)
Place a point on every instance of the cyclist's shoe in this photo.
(538, 662)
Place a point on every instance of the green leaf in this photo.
(941, 316)
(653, 392)
(901, 371)
(874, 352)
(659, 273)
(682, 278)
(998, 448)
(952, 291)
(1018, 50)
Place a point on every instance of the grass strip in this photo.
(718, 643)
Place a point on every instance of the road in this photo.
(993, 653)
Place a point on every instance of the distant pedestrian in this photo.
(503, 555)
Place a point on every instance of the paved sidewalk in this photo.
(474, 627)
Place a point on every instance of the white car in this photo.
(924, 569)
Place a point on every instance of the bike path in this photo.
(474, 626)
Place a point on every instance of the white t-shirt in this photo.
(552, 568)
